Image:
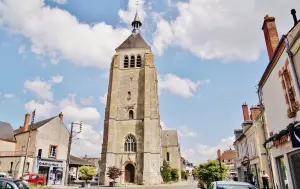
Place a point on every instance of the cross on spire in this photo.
(136, 24)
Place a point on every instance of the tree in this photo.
(210, 171)
(165, 171)
(174, 173)
(183, 174)
(87, 172)
(114, 173)
(195, 172)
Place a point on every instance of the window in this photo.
(11, 166)
(168, 156)
(40, 153)
(126, 61)
(9, 186)
(289, 93)
(27, 166)
(132, 61)
(130, 114)
(1, 183)
(130, 143)
(138, 61)
(53, 151)
(129, 95)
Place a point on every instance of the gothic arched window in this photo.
(126, 61)
(138, 61)
(130, 143)
(168, 156)
(130, 114)
(132, 61)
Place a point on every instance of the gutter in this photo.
(291, 61)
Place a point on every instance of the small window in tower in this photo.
(129, 95)
(132, 61)
(126, 62)
(168, 156)
(130, 114)
(138, 61)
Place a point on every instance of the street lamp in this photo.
(219, 159)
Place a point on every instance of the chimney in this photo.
(271, 35)
(255, 111)
(293, 12)
(26, 122)
(61, 116)
(245, 112)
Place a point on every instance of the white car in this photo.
(231, 185)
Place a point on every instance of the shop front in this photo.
(53, 171)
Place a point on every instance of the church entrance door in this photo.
(129, 173)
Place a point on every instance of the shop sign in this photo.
(50, 164)
(281, 141)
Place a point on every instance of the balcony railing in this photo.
(15, 153)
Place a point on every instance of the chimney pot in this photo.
(61, 116)
(271, 35)
(245, 112)
(293, 12)
(26, 122)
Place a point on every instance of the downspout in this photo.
(291, 60)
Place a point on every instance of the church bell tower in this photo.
(132, 131)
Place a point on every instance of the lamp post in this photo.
(219, 159)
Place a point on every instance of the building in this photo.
(279, 96)
(75, 164)
(228, 157)
(251, 156)
(186, 165)
(47, 149)
(132, 132)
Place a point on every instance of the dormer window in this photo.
(138, 61)
(126, 62)
(132, 61)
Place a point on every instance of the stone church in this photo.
(133, 139)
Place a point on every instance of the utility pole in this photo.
(28, 140)
(219, 159)
(69, 149)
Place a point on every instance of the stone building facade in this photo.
(132, 130)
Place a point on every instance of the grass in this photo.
(34, 186)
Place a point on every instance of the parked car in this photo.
(3, 175)
(9, 183)
(231, 185)
(34, 178)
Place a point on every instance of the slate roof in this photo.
(6, 131)
(35, 125)
(134, 41)
(79, 161)
(169, 138)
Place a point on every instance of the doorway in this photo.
(45, 171)
(129, 173)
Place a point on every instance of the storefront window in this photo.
(282, 173)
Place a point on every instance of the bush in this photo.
(87, 172)
(174, 173)
(165, 171)
(183, 174)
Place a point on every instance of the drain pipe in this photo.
(291, 60)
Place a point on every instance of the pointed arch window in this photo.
(131, 114)
(138, 61)
(130, 144)
(168, 156)
(132, 61)
(126, 61)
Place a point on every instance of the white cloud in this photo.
(8, 95)
(45, 110)
(86, 101)
(55, 33)
(90, 140)
(228, 30)
(60, 1)
(103, 99)
(202, 152)
(57, 79)
(127, 16)
(42, 89)
(186, 132)
(22, 49)
(72, 111)
(179, 86)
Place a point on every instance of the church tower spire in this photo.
(136, 23)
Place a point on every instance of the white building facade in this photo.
(279, 94)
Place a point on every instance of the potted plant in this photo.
(113, 173)
(86, 173)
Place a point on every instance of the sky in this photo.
(209, 55)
